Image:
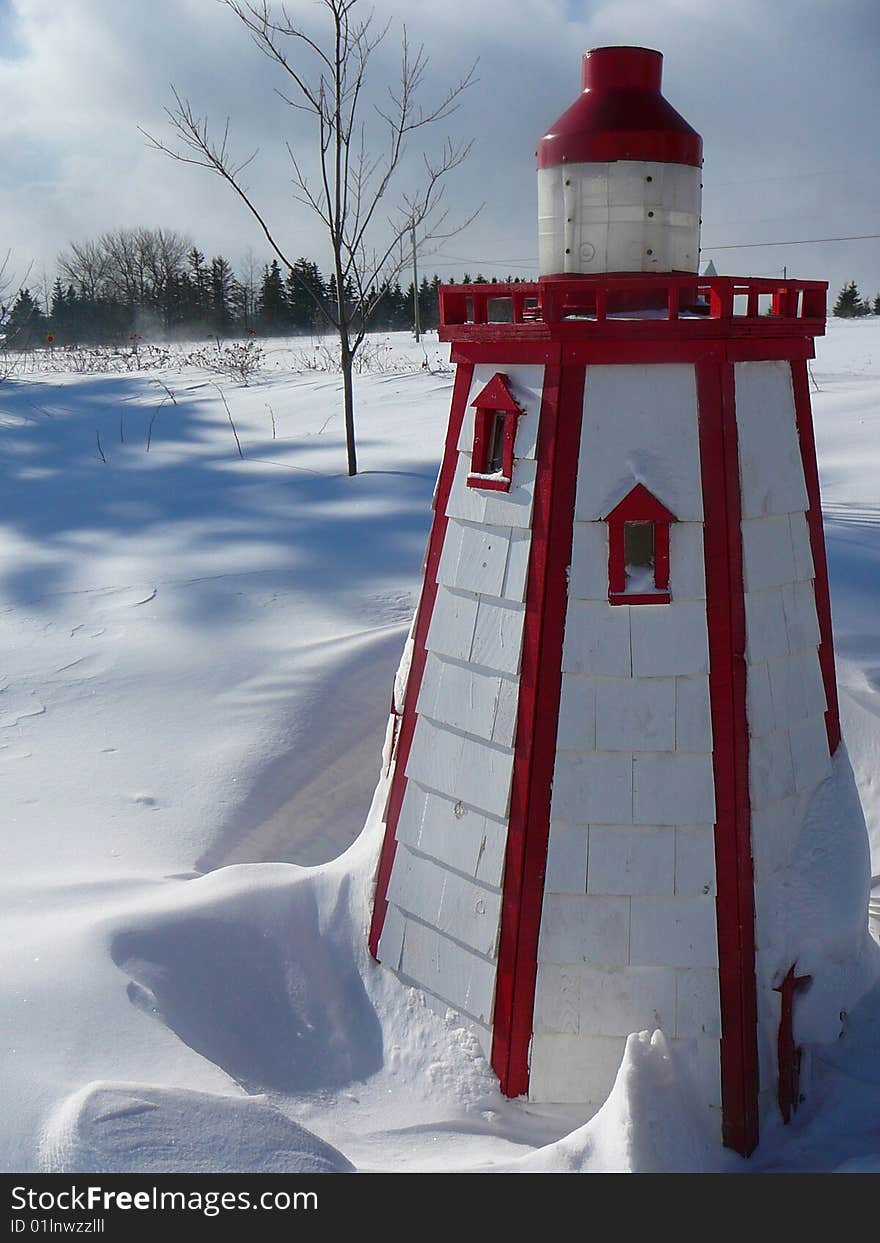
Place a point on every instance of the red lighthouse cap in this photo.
(620, 115)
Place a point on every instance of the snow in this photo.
(199, 652)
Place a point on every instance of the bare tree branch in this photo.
(327, 79)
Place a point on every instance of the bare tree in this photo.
(368, 245)
(86, 266)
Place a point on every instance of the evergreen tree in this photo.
(426, 305)
(26, 325)
(200, 285)
(221, 312)
(303, 286)
(61, 313)
(849, 302)
(273, 313)
(876, 305)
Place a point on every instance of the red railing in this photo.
(556, 300)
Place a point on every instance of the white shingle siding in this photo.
(448, 970)
(516, 573)
(697, 1010)
(577, 712)
(675, 788)
(567, 860)
(669, 639)
(593, 786)
(809, 753)
(801, 550)
(557, 1000)
(585, 930)
(513, 508)
(635, 713)
(695, 860)
(768, 555)
(788, 754)
(588, 573)
(597, 639)
(462, 838)
(771, 775)
(498, 635)
(693, 714)
(461, 767)
(625, 860)
(801, 623)
(459, 695)
(796, 687)
(574, 1069)
(687, 567)
(474, 557)
(640, 426)
(451, 631)
(615, 1003)
(443, 920)
(674, 932)
(391, 940)
(759, 701)
(772, 478)
(633, 788)
(766, 633)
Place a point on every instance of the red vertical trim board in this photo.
(804, 416)
(537, 716)
(727, 687)
(461, 389)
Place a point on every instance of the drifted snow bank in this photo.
(130, 1128)
(650, 1124)
(263, 971)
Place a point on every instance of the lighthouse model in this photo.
(621, 700)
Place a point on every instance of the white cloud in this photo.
(785, 96)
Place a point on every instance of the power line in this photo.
(804, 241)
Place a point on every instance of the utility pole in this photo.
(415, 287)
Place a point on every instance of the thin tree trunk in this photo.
(346, 359)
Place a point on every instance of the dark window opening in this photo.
(638, 544)
(495, 455)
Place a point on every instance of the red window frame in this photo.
(494, 402)
(639, 505)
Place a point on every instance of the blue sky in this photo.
(785, 96)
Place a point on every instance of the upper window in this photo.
(494, 434)
(638, 549)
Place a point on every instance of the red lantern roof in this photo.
(621, 115)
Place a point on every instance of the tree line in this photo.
(154, 283)
(851, 305)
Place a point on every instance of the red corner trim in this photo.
(727, 686)
(535, 747)
(460, 392)
(803, 414)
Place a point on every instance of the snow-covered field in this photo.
(197, 655)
